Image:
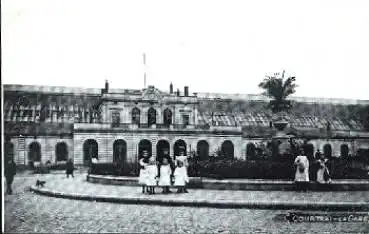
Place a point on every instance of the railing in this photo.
(154, 126)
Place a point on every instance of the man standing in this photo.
(302, 172)
(10, 171)
(70, 168)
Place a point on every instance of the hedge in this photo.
(222, 169)
(129, 169)
(237, 169)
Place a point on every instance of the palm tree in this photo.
(278, 88)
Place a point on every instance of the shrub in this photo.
(242, 169)
(347, 168)
(128, 169)
(62, 166)
(41, 169)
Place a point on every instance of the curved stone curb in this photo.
(229, 184)
(273, 205)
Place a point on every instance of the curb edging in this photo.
(328, 206)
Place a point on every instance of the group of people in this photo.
(303, 169)
(164, 174)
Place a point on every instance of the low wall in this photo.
(264, 185)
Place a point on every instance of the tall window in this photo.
(115, 119)
(136, 115)
(61, 151)
(167, 117)
(151, 116)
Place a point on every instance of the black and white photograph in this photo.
(172, 116)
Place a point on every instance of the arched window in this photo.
(162, 150)
(227, 150)
(90, 150)
(136, 115)
(180, 148)
(144, 147)
(327, 150)
(309, 150)
(167, 117)
(61, 151)
(344, 150)
(151, 116)
(34, 153)
(250, 150)
(203, 150)
(119, 151)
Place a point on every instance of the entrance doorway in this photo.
(144, 146)
(34, 153)
(162, 150)
(180, 147)
(90, 150)
(203, 150)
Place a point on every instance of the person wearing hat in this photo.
(180, 176)
(151, 175)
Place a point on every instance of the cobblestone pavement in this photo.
(28, 212)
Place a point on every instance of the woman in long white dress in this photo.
(322, 175)
(142, 179)
(302, 172)
(165, 173)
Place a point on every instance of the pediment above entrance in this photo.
(152, 94)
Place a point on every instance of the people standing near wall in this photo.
(302, 172)
(10, 171)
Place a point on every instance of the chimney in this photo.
(178, 93)
(106, 86)
(186, 91)
(171, 88)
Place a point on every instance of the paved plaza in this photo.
(29, 212)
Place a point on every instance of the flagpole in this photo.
(144, 63)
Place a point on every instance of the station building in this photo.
(52, 124)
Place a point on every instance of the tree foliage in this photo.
(278, 89)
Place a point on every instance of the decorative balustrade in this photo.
(155, 126)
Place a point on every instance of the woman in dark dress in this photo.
(10, 171)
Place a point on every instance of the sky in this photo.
(211, 46)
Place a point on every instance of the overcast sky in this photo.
(211, 46)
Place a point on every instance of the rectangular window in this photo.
(116, 119)
(186, 119)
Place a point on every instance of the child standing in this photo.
(322, 173)
(165, 173)
(180, 176)
(152, 175)
(142, 179)
(184, 160)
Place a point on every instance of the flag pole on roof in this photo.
(144, 63)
